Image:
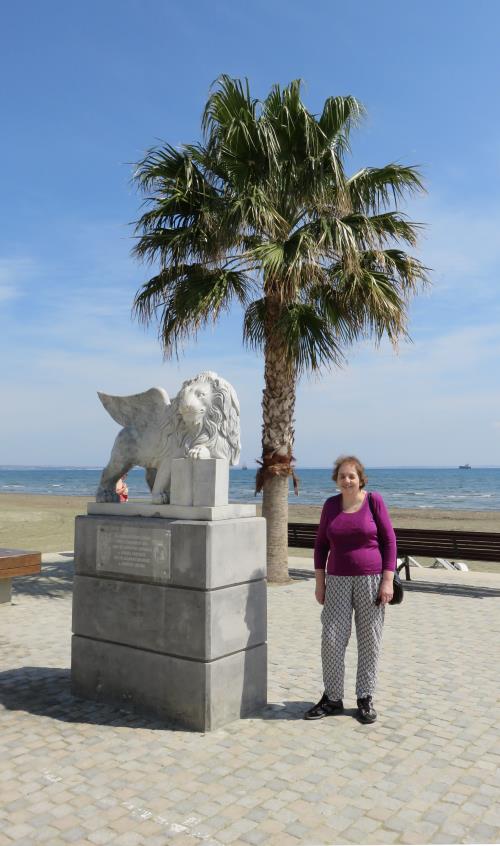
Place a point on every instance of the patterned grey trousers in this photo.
(343, 594)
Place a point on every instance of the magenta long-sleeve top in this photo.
(357, 544)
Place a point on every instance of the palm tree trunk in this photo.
(278, 404)
(275, 510)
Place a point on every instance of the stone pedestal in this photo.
(199, 482)
(169, 615)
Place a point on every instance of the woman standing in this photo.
(355, 534)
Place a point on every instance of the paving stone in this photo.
(297, 830)
(271, 826)
(366, 825)
(380, 812)
(255, 837)
(228, 836)
(286, 815)
(483, 833)
(382, 836)
(72, 835)
(129, 839)
(17, 832)
(102, 836)
(81, 772)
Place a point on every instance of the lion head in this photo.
(206, 412)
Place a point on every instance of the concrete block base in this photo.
(5, 590)
(170, 617)
(197, 695)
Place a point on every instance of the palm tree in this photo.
(262, 213)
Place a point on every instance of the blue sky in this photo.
(87, 88)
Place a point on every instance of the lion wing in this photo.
(138, 410)
(231, 427)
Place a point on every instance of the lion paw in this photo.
(104, 495)
(199, 452)
(161, 498)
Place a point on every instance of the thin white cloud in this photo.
(74, 428)
(14, 273)
(8, 292)
(432, 404)
(461, 246)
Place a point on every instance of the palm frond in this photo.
(160, 164)
(326, 236)
(297, 134)
(254, 324)
(254, 212)
(373, 189)
(308, 338)
(183, 213)
(270, 255)
(264, 202)
(376, 302)
(406, 270)
(339, 116)
(176, 244)
(184, 298)
(243, 145)
(229, 100)
(372, 231)
(335, 311)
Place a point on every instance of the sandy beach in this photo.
(46, 523)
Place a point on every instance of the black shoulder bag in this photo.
(398, 594)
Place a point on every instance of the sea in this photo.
(477, 489)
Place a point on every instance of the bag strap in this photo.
(397, 577)
(370, 505)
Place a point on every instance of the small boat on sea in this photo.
(464, 467)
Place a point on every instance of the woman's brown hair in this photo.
(351, 459)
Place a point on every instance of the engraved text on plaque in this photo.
(124, 550)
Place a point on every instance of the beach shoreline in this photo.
(46, 522)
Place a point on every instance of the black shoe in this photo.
(324, 708)
(366, 711)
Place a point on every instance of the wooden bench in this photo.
(16, 562)
(432, 543)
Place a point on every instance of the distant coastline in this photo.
(255, 466)
(419, 488)
(46, 523)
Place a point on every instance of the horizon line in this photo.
(255, 467)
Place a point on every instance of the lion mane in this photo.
(219, 430)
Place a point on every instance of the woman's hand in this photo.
(386, 589)
(320, 587)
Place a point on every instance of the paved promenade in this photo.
(73, 772)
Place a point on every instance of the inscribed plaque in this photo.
(125, 550)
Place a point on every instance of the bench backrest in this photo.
(473, 546)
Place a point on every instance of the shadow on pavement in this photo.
(55, 580)
(46, 692)
(448, 589)
(294, 710)
(472, 591)
(300, 575)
